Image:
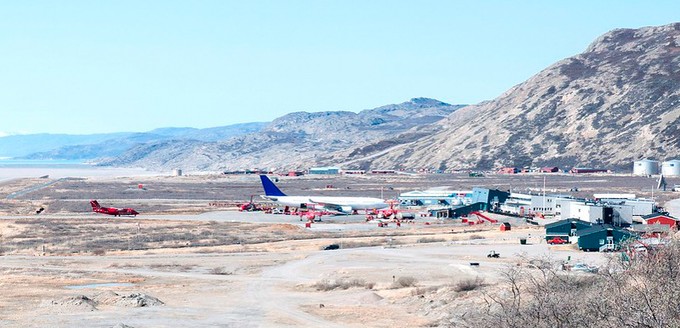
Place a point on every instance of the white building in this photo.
(518, 204)
(543, 204)
(563, 207)
(587, 212)
(640, 207)
(623, 214)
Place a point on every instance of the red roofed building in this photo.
(508, 170)
(661, 218)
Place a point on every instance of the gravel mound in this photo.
(84, 303)
(78, 302)
(127, 300)
(371, 298)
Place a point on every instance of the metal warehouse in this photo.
(324, 170)
(646, 167)
(436, 197)
(671, 168)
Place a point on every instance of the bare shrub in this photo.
(403, 282)
(473, 237)
(639, 292)
(467, 285)
(327, 285)
(220, 271)
(99, 252)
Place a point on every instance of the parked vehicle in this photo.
(493, 254)
(582, 267)
(557, 241)
(331, 247)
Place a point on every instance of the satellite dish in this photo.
(662, 183)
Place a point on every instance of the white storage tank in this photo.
(646, 167)
(671, 168)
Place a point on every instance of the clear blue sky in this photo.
(106, 66)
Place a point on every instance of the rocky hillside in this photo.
(616, 102)
(294, 141)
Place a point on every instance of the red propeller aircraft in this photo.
(112, 210)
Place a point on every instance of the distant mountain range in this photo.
(294, 141)
(109, 145)
(616, 102)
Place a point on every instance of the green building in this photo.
(565, 228)
(602, 238)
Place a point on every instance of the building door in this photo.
(608, 215)
(610, 243)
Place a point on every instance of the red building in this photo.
(661, 218)
(505, 226)
(551, 169)
(508, 170)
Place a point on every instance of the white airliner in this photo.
(345, 205)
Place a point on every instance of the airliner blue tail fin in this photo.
(270, 189)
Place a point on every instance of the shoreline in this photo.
(71, 171)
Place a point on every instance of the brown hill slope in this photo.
(616, 102)
(294, 141)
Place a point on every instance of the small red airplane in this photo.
(111, 210)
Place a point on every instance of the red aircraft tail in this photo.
(95, 204)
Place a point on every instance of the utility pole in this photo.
(544, 194)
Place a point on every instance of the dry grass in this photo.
(404, 282)
(423, 290)
(67, 237)
(424, 240)
(172, 267)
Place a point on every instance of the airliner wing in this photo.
(344, 208)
